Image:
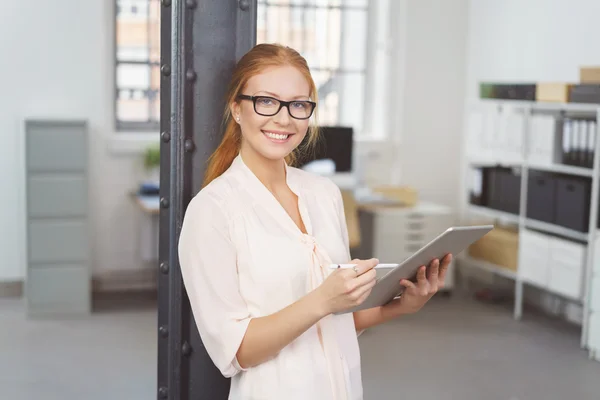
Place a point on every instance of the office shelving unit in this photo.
(520, 156)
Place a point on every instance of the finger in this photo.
(363, 297)
(408, 284)
(366, 278)
(421, 278)
(434, 269)
(361, 290)
(363, 266)
(444, 268)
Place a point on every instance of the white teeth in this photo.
(276, 136)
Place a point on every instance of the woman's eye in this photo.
(299, 104)
(265, 102)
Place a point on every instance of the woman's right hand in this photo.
(345, 288)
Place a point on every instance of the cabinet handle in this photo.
(414, 236)
(414, 225)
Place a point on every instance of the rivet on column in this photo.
(189, 145)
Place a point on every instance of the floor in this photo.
(453, 349)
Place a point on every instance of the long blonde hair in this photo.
(252, 63)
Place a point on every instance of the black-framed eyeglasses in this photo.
(269, 106)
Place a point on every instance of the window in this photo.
(137, 67)
(331, 35)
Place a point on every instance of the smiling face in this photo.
(272, 137)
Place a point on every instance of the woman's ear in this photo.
(235, 111)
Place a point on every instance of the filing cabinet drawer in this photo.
(565, 281)
(57, 241)
(57, 196)
(56, 147)
(58, 289)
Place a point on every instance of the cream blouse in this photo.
(243, 257)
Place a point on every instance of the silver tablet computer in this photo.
(453, 241)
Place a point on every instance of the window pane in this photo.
(133, 76)
(132, 53)
(132, 9)
(133, 106)
(155, 78)
(155, 106)
(154, 29)
(132, 23)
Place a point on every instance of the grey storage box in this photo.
(58, 280)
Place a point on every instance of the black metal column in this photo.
(201, 40)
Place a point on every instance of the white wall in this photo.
(428, 78)
(531, 40)
(58, 64)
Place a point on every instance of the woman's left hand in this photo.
(417, 294)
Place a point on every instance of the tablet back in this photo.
(454, 240)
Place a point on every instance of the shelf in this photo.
(495, 163)
(529, 223)
(556, 229)
(558, 168)
(563, 169)
(545, 106)
(487, 266)
(576, 107)
(494, 214)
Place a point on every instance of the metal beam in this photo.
(201, 40)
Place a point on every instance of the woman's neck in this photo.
(270, 172)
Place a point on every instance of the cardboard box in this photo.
(553, 91)
(589, 74)
(499, 247)
(406, 195)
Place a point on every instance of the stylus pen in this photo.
(335, 266)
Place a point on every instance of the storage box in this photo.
(541, 196)
(507, 91)
(500, 247)
(573, 202)
(589, 74)
(553, 92)
(585, 93)
(504, 189)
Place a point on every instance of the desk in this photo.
(148, 203)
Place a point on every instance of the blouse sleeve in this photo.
(207, 258)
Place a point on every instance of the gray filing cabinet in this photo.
(58, 278)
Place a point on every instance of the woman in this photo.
(257, 241)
